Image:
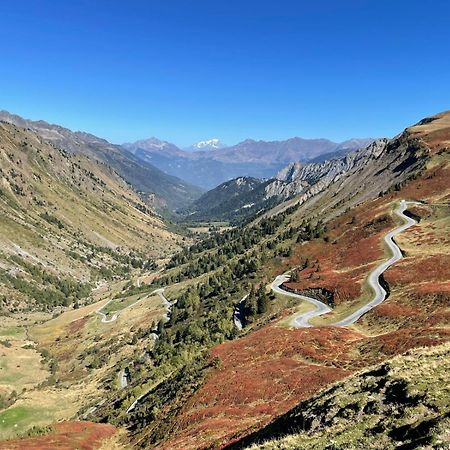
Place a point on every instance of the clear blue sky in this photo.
(192, 69)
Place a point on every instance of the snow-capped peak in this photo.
(209, 144)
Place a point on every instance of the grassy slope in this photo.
(86, 356)
(162, 190)
(68, 214)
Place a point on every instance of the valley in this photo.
(160, 338)
(59, 364)
(225, 225)
(211, 166)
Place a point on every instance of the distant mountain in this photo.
(210, 144)
(374, 168)
(282, 152)
(166, 190)
(154, 146)
(208, 166)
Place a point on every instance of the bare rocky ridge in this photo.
(370, 171)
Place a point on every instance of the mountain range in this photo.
(170, 178)
(258, 159)
(266, 378)
(245, 196)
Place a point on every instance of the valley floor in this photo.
(51, 368)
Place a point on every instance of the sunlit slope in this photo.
(69, 216)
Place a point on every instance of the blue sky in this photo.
(189, 70)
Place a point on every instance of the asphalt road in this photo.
(302, 320)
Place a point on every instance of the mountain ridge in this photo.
(69, 215)
(165, 190)
(294, 180)
(257, 159)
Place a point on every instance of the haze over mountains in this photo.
(259, 159)
(170, 178)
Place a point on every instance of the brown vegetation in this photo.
(65, 436)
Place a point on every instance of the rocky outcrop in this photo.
(309, 179)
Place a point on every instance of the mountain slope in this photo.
(333, 239)
(402, 403)
(232, 200)
(199, 381)
(168, 191)
(66, 216)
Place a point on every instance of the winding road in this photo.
(114, 317)
(302, 320)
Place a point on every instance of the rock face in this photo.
(368, 171)
(310, 179)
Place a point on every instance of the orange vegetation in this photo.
(436, 133)
(341, 265)
(435, 268)
(66, 436)
(77, 325)
(261, 376)
(267, 372)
